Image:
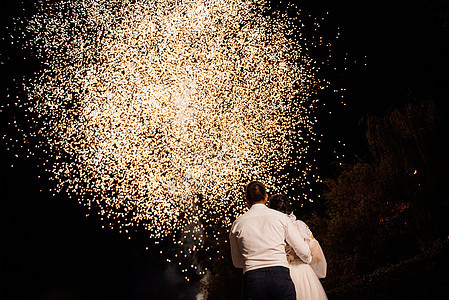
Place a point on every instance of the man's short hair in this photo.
(255, 192)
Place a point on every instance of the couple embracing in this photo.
(278, 254)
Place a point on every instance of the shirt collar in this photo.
(258, 206)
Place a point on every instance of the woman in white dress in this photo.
(304, 276)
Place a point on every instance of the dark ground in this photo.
(422, 277)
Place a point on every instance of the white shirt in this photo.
(259, 236)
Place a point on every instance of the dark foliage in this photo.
(388, 209)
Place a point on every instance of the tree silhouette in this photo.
(386, 209)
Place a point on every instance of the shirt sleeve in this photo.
(294, 239)
(236, 253)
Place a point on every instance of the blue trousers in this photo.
(272, 283)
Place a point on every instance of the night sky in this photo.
(52, 251)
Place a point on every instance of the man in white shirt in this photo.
(258, 240)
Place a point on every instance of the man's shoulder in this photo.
(277, 213)
(241, 217)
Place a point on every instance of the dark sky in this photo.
(52, 251)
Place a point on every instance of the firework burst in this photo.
(157, 113)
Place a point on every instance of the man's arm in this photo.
(294, 239)
(236, 253)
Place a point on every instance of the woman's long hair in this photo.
(281, 203)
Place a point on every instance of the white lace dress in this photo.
(305, 276)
